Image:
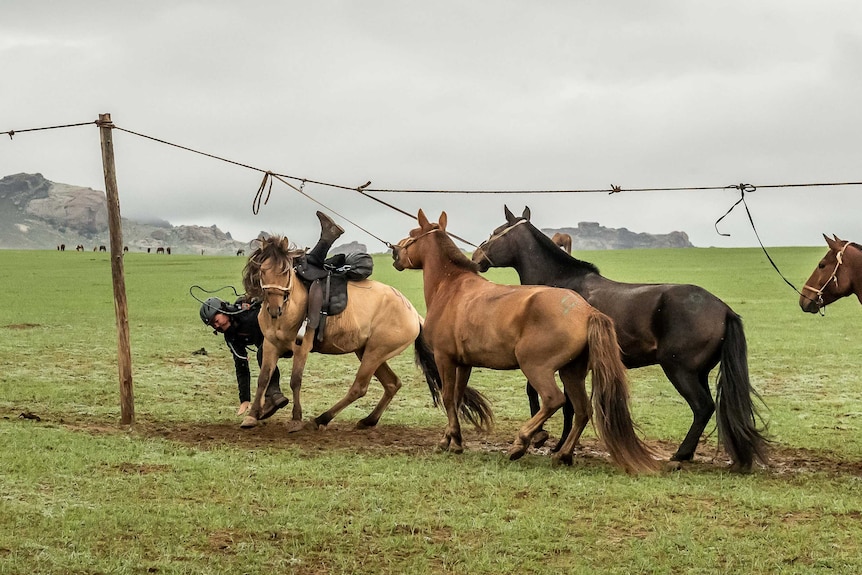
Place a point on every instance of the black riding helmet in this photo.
(210, 308)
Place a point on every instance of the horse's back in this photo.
(494, 321)
(653, 319)
(372, 301)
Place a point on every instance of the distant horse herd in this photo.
(103, 248)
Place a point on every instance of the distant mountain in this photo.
(36, 213)
(592, 236)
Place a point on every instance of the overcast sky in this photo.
(445, 95)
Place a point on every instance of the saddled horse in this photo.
(472, 322)
(683, 328)
(377, 324)
(564, 241)
(837, 275)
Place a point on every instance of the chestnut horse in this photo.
(683, 328)
(472, 322)
(564, 241)
(838, 275)
(377, 324)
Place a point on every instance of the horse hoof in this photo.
(366, 423)
(540, 438)
(516, 452)
(559, 459)
(295, 425)
(248, 422)
(673, 466)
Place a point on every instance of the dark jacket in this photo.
(244, 333)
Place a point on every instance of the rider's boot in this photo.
(329, 230)
(273, 401)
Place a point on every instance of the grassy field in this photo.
(185, 490)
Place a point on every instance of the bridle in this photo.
(818, 293)
(406, 243)
(497, 236)
(285, 293)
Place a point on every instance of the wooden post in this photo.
(124, 355)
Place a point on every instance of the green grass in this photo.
(186, 491)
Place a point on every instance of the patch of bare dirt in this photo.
(388, 439)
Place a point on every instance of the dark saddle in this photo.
(327, 286)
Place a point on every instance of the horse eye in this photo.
(821, 265)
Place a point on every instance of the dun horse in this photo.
(472, 322)
(838, 275)
(683, 328)
(377, 324)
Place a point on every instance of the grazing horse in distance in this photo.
(683, 328)
(79, 248)
(240, 252)
(377, 324)
(564, 241)
(472, 322)
(837, 275)
(160, 250)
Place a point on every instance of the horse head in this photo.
(269, 273)
(497, 250)
(405, 255)
(831, 279)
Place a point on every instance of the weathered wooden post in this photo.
(124, 355)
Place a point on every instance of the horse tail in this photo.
(610, 393)
(474, 407)
(425, 360)
(736, 413)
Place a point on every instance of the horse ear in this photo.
(443, 221)
(526, 214)
(510, 217)
(832, 243)
(423, 221)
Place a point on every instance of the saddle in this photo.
(327, 286)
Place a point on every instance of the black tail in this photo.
(736, 412)
(474, 408)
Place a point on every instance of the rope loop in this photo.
(255, 203)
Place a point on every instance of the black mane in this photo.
(560, 256)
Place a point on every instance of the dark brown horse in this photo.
(838, 274)
(472, 322)
(377, 324)
(683, 328)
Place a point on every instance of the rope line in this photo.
(11, 133)
(364, 190)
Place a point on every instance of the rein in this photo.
(410, 241)
(497, 237)
(285, 293)
(818, 293)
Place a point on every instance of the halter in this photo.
(818, 293)
(285, 292)
(409, 242)
(497, 237)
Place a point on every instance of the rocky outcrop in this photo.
(592, 236)
(36, 213)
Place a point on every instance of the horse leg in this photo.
(300, 357)
(545, 385)
(269, 361)
(369, 362)
(574, 377)
(451, 375)
(391, 384)
(694, 388)
(541, 435)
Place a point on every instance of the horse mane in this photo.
(559, 255)
(276, 249)
(455, 255)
